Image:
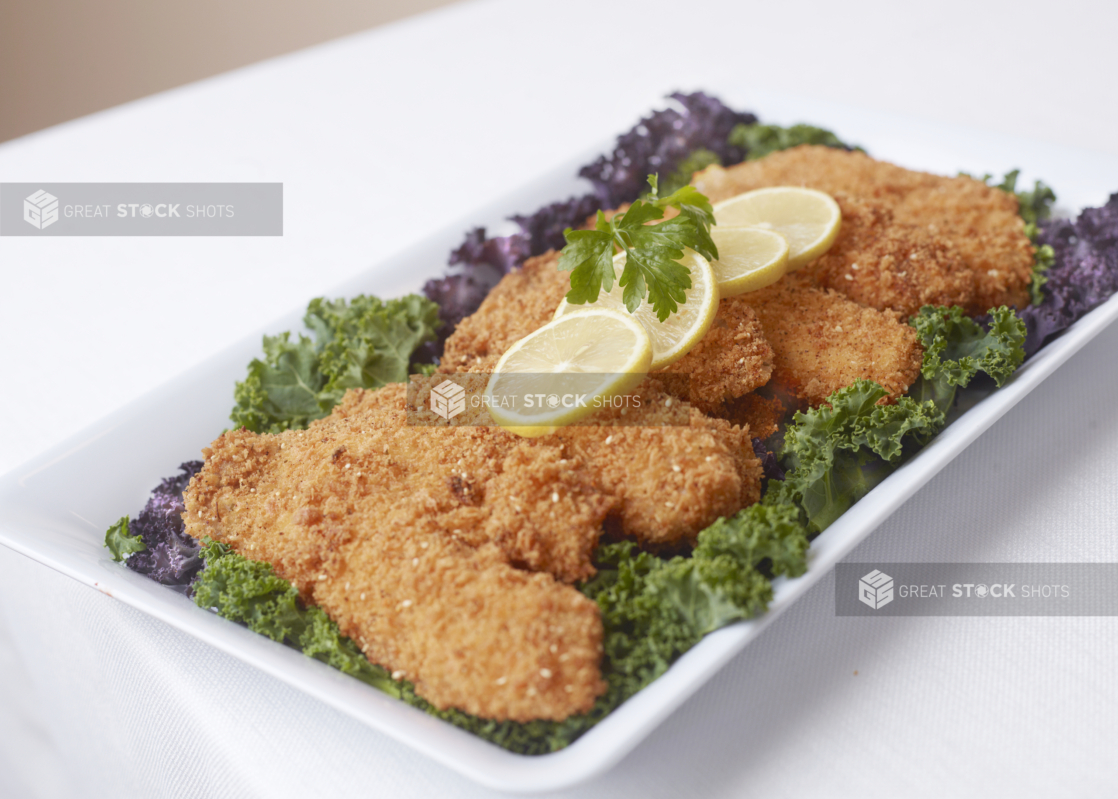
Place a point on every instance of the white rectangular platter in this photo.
(55, 508)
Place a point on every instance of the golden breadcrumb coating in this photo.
(731, 360)
(889, 266)
(672, 470)
(824, 342)
(735, 361)
(443, 551)
(978, 222)
(671, 480)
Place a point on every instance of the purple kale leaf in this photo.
(502, 254)
(476, 267)
(770, 466)
(545, 227)
(172, 557)
(1083, 275)
(480, 263)
(661, 141)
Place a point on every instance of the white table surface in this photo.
(383, 136)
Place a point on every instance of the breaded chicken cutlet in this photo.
(823, 341)
(445, 551)
(971, 221)
(882, 264)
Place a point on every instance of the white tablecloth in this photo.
(412, 126)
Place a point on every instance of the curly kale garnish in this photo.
(363, 343)
(956, 348)
(121, 542)
(696, 161)
(1034, 206)
(1084, 271)
(759, 140)
(1043, 260)
(249, 592)
(837, 452)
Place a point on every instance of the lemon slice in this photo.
(807, 218)
(672, 338)
(749, 258)
(564, 370)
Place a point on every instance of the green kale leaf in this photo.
(369, 341)
(836, 453)
(322, 640)
(654, 610)
(1034, 206)
(122, 543)
(365, 343)
(759, 140)
(697, 160)
(723, 581)
(956, 348)
(250, 593)
(280, 392)
(652, 267)
(1043, 260)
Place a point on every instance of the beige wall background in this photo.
(62, 59)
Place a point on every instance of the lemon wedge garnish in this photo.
(749, 258)
(565, 370)
(807, 218)
(672, 338)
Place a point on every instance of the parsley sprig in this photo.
(652, 251)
